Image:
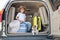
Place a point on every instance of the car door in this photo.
(55, 23)
(54, 19)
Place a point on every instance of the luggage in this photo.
(13, 26)
(37, 21)
(23, 28)
(34, 20)
(16, 27)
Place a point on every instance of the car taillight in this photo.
(1, 12)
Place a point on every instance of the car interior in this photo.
(32, 8)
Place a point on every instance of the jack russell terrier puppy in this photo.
(34, 30)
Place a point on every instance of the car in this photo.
(49, 18)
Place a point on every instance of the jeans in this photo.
(25, 27)
(28, 24)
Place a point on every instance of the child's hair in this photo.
(20, 7)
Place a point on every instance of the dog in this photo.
(34, 30)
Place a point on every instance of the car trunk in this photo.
(32, 8)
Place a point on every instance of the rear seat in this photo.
(11, 14)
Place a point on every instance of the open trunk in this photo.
(33, 7)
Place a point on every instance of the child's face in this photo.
(22, 10)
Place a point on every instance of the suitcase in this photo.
(16, 27)
(37, 21)
(34, 20)
(23, 28)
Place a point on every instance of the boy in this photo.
(22, 17)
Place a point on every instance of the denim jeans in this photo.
(25, 27)
(28, 24)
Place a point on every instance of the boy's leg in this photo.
(28, 25)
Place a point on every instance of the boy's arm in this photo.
(16, 17)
